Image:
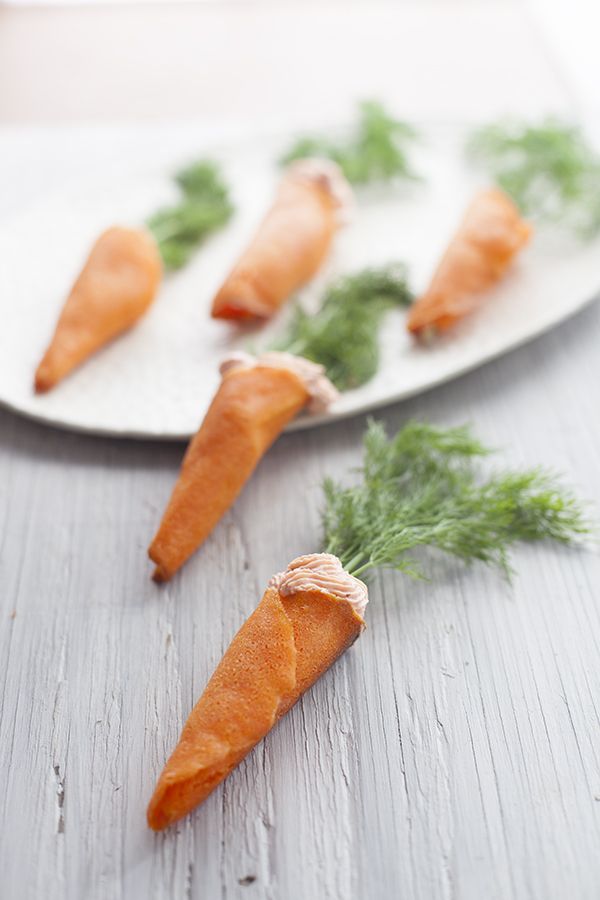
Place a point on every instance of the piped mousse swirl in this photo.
(328, 176)
(322, 572)
(321, 391)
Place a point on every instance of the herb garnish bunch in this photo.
(204, 207)
(343, 334)
(375, 151)
(424, 488)
(550, 170)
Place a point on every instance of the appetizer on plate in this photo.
(291, 242)
(115, 287)
(419, 489)
(256, 399)
(489, 237)
(123, 272)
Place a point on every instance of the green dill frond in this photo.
(204, 207)
(202, 179)
(549, 170)
(376, 151)
(424, 488)
(343, 334)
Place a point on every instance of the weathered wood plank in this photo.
(452, 753)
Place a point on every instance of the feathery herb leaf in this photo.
(423, 487)
(204, 207)
(343, 334)
(375, 152)
(549, 170)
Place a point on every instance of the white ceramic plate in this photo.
(157, 380)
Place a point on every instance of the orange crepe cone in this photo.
(250, 409)
(115, 287)
(279, 652)
(490, 235)
(286, 251)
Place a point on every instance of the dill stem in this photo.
(360, 570)
(353, 566)
(165, 234)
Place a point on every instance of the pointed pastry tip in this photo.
(161, 572)
(164, 809)
(160, 575)
(42, 381)
(155, 822)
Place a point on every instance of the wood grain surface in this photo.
(453, 752)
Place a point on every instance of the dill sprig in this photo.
(204, 207)
(549, 170)
(424, 487)
(343, 334)
(376, 151)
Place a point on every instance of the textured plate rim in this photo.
(304, 422)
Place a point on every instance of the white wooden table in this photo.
(453, 752)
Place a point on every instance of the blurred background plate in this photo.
(157, 380)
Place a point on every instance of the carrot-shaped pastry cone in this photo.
(291, 242)
(115, 287)
(255, 401)
(488, 238)
(422, 487)
(307, 617)
(122, 274)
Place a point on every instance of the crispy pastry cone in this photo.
(490, 235)
(253, 404)
(115, 287)
(290, 640)
(291, 242)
